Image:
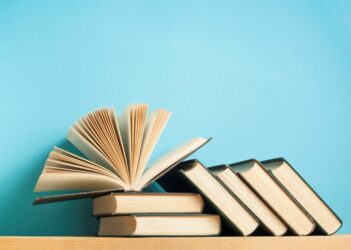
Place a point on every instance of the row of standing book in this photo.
(245, 198)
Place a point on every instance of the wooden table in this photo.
(335, 242)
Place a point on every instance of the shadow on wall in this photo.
(65, 218)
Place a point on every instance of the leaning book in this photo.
(193, 176)
(294, 184)
(117, 151)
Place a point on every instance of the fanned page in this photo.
(153, 130)
(169, 160)
(123, 122)
(97, 136)
(118, 149)
(66, 171)
(132, 124)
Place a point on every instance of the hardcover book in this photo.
(160, 225)
(271, 222)
(117, 150)
(256, 176)
(147, 203)
(192, 176)
(327, 221)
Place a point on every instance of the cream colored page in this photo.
(280, 202)
(74, 181)
(114, 119)
(65, 156)
(217, 193)
(115, 153)
(306, 197)
(137, 129)
(244, 193)
(85, 168)
(174, 225)
(153, 130)
(124, 127)
(87, 149)
(61, 161)
(104, 123)
(168, 159)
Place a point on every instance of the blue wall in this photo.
(263, 78)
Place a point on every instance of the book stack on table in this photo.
(247, 198)
(244, 198)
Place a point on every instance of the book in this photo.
(192, 176)
(147, 203)
(118, 150)
(256, 176)
(238, 188)
(327, 221)
(160, 225)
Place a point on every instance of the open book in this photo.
(118, 149)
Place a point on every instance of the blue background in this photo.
(263, 78)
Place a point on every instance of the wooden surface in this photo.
(180, 243)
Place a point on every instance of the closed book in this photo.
(327, 221)
(192, 176)
(160, 225)
(256, 176)
(238, 188)
(147, 203)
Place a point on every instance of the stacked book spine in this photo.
(154, 214)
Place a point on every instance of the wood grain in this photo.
(179, 243)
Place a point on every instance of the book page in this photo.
(132, 124)
(117, 131)
(64, 160)
(168, 160)
(103, 123)
(97, 136)
(153, 130)
(56, 180)
(123, 122)
(72, 168)
(88, 150)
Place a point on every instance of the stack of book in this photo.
(244, 198)
(154, 214)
